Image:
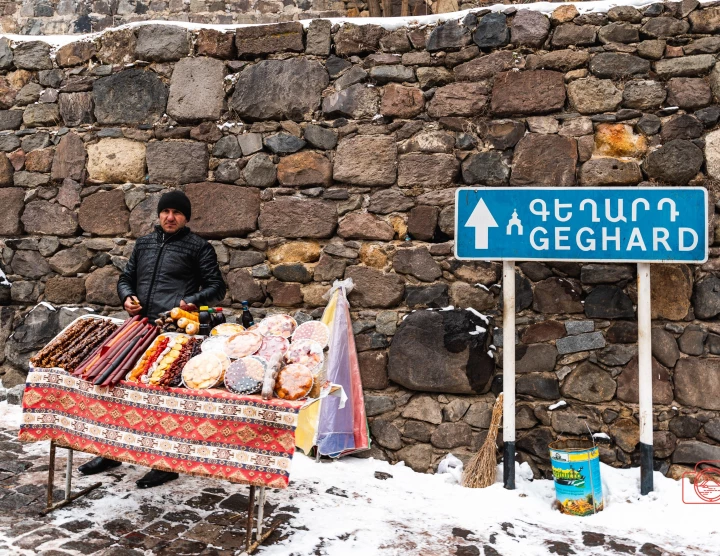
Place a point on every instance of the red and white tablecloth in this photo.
(209, 433)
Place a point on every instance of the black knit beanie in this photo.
(177, 200)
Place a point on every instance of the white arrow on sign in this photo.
(481, 219)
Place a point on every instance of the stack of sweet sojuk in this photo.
(71, 348)
(98, 350)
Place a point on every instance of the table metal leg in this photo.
(68, 474)
(69, 497)
(249, 526)
(261, 511)
(51, 476)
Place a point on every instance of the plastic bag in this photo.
(452, 466)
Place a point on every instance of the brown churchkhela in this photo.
(95, 355)
(114, 355)
(69, 349)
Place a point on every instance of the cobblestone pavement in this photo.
(202, 517)
(187, 516)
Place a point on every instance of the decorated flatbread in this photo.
(226, 329)
(293, 382)
(272, 345)
(306, 352)
(312, 330)
(277, 325)
(242, 344)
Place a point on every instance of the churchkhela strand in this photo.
(73, 346)
(105, 366)
(108, 372)
(127, 363)
(102, 348)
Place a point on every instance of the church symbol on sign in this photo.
(514, 222)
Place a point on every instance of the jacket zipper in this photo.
(157, 262)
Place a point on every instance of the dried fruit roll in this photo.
(95, 355)
(117, 361)
(115, 347)
(140, 347)
(88, 368)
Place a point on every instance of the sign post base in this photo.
(509, 465)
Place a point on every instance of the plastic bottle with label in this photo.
(247, 318)
(204, 318)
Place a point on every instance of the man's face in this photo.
(172, 220)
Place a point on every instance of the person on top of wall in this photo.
(170, 267)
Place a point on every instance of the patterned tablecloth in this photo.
(209, 433)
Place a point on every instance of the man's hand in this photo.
(132, 305)
(191, 307)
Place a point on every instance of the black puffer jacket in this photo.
(165, 269)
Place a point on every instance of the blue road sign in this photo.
(601, 224)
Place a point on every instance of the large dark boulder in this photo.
(697, 382)
(132, 96)
(36, 329)
(221, 210)
(608, 302)
(442, 351)
(706, 298)
(279, 90)
(675, 163)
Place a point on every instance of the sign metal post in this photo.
(645, 378)
(509, 374)
(581, 224)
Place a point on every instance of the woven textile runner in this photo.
(209, 433)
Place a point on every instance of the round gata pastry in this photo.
(203, 371)
(306, 352)
(245, 376)
(277, 325)
(242, 344)
(271, 345)
(214, 344)
(312, 330)
(227, 329)
(293, 382)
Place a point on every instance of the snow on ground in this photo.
(342, 508)
(10, 415)
(416, 512)
(390, 23)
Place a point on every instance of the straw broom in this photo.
(480, 471)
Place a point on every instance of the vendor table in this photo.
(208, 433)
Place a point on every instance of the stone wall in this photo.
(334, 151)
(47, 17)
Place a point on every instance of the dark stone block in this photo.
(492, 31)
(433, 351)
(608, 302)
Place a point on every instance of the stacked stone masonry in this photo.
(333, 152)
(47, 17)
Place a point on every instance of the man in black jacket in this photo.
(170, 267)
